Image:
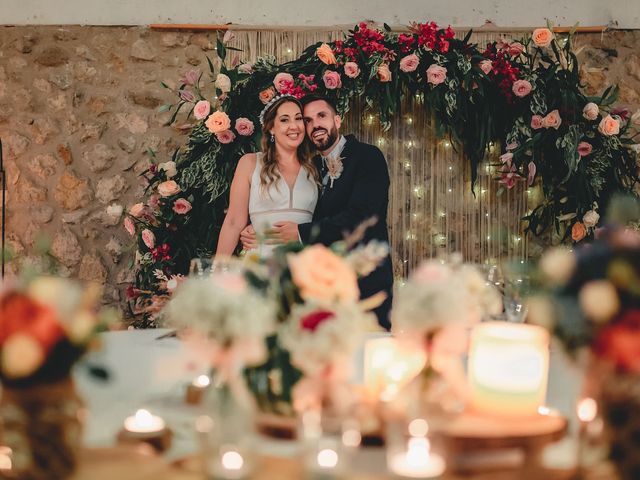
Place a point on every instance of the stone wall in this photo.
(78, 112)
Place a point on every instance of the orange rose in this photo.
(609, 126)
(218, 122)
(266, 95)
(578, 231)
(384, 74)
(325, 54)
(321, 275)
(542, 37)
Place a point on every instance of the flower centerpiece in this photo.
(591, 302)
(434, 310)
(46, 325)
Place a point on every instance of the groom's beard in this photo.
(328, 140)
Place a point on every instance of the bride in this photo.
(278, 184)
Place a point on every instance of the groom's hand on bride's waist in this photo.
(283, 232)
(248, 238)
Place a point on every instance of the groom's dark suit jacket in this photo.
(361, 192)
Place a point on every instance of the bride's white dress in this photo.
(279, 203)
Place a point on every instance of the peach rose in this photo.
(584, 149)
(321, 275)
(409, 63)
(244, 127)
(225, 137)
(223, 83)
(201, 110)
(521, 88)
(181, 206)
(515, 49)
(590, 219)
(436, 74)
(578, 231)
(148, 238)
(137, 210)
(537, 122)
(486, 66)
(331, 80)
(283, 81)
(384, 74)
(168, 188)
(22, 355)
(218, 121)
(325, 54)
(542, 37)
(351, 69)
(129, 226)
(609, 126)
(552, 120)
(266, 95)
(590, 111)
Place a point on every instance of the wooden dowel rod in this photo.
(187, 26)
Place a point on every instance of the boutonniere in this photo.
(334, 167)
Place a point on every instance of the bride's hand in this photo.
(248, 238)
(283, 232)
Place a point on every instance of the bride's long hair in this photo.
(268, 172)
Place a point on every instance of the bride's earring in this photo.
(272, 139)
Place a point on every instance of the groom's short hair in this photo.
(314, 97)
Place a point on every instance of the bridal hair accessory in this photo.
(270, 103)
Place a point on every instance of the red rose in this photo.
(311, 321)
(619, 342)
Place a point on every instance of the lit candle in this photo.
(143, 423)
(195, 391)
(389, 366)
(417, 461)
(508, 368)
(230, 464)
(148, 428)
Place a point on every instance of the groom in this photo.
(355, 187)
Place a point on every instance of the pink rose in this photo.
(542, 37)
(351, 69)
(486, 66)
(283, 81)
(168, 188)
(521, 88)
(384, 74)
(201, 110)
(187, 96)
(584, 149)
(515, 49)
(436, 74)
(129, 226)
(244, 127)
(137, 210)
(181, 206)
(609, 126)
(531, 173)
(552, 120)
(148, 238)
(331, 80)
(154, 201)
(191, 77)
(245, 68)
(506, 158)
(512, 146)
(225, 137)
(537, 122)
(321, 275)
(409, 63)
(590, 111)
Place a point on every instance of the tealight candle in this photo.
(230, 464)
(195, 391)
(146, 427)
(417, 461)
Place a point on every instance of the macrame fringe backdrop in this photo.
(432, 210)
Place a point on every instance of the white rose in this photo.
(115, 210)
(590, 219)
(558, 265)
(599, 300)
(169, 169)
(223, 83)
(590, 111)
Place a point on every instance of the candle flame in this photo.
(232, 460)
(202, 381)
(587, 410)
(143, 417)
(418, 427)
